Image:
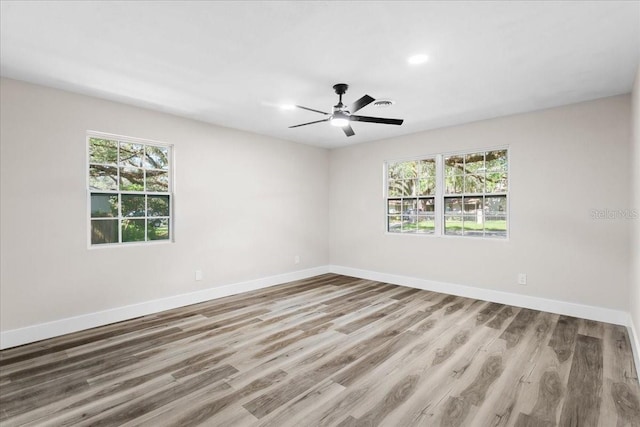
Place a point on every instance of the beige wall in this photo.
(635, 167)
(564, 162)
(245, 205)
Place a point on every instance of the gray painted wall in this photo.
(245, 205)
(564, 162)
(325, 206)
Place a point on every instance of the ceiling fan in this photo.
(341, 116)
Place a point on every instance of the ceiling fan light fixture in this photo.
(339, 122)
(339, 119)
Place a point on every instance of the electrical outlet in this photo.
(296, 259)
(522, 278)
(198, 276)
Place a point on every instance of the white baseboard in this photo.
(635, 342)
(29, 334)
(600, 314)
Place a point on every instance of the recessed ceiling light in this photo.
(287, 107)
(417, 59)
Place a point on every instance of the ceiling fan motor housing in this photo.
(340, 108)
(340, 115)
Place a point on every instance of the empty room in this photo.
(319, 213)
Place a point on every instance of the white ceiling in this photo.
(233, 63)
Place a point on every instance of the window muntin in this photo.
(129, 191)
(468, 190)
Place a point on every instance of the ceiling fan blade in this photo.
(348, 130)
(376, 120)
(311, 109)
(310, 123)
(361, 103)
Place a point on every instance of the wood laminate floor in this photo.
(329, 351)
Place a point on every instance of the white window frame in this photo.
(440, 194)
(120, 193)
(416, 197)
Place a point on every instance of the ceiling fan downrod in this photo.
(341, 89)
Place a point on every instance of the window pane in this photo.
(408, 206)
(395, 188)
(131, 179)
(410, 169)
(103, 151)
(409, 214)
(104, 205)
(472, 205)
(427, 187)
(409, 187)
(453, 224)
(474, 183)
(103, 177)
(426, 224)
(156, 157)
(426, 205)
(454, 184)
(497, 161)
(157, 181)
(453, 215)
(496, 216)
(394, 171)
(394, 224)
(133, 205)
(453, 205)
(473, 219)
(409, 223)
(158, 229)
(497, 182)
(453, 165)
(158, 206)
(470, 228)
(104, 231)
(453, 174)
(474, 163)
(496, 205)
(133, 230)
(131, 154)
(428, 168)
(394, 206)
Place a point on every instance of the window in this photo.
(464, 194)
(411, 190)
(130, 195)
(475, 199)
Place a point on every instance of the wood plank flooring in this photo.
(328, 351)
